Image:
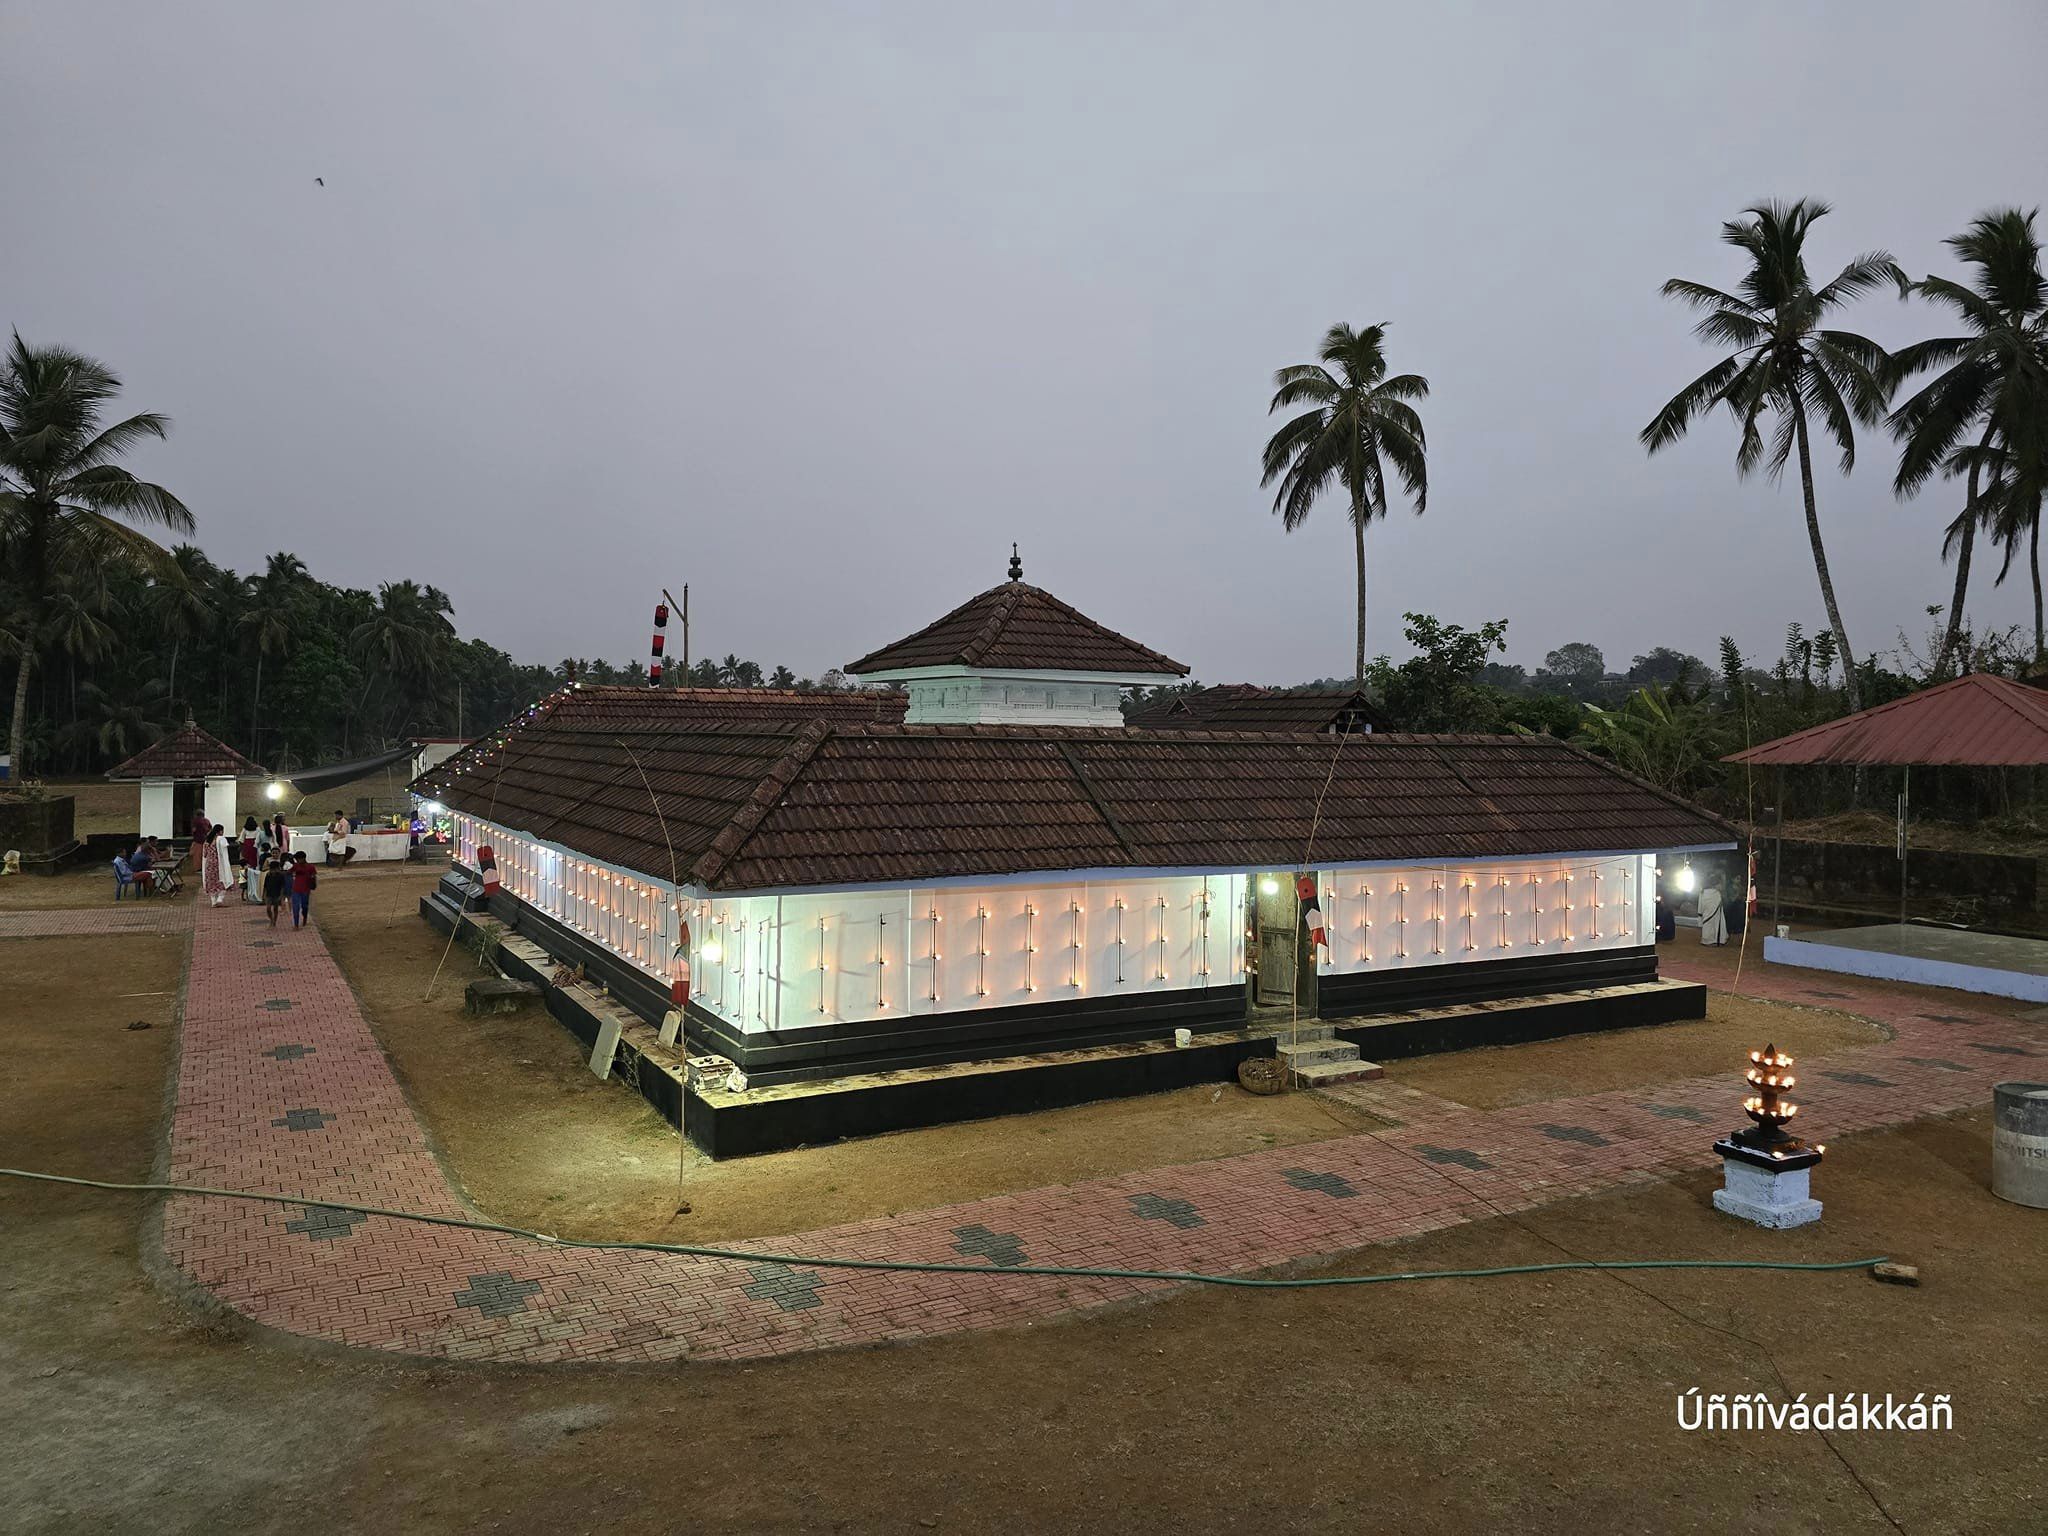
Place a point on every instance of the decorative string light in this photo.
(1566, 935)
(1401, 921)
(1436, 915)
(934, 992)
(821, 965)
(881, 960)
(1119, 905)
(1535, 911)
(1365, 925)
(1030, 945)
(981, 952)
(1073, 943)
(1500, 892)
(1204, 924)
(1470, 937)
(1161, 973)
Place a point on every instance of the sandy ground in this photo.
(1554, 1069)
(1535, 1403)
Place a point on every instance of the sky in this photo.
(818, 307)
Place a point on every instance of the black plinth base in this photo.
(1791, 1154)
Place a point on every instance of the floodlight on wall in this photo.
(1686, 879)
(274, 790)
(713, 952)
(1269, 886)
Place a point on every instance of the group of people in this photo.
(152, 869)
(274, 874)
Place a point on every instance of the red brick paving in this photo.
(395, 1285)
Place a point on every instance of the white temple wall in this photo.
(797, 959)
(1382, 917)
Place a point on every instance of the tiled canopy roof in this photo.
(1243, 707)
(822, 802)
(189, 753)
(1017, 627)
(1974, 721)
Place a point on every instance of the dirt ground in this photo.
(1537, 1403)
(1496, 1077)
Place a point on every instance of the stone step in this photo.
(1314, 1052)
(1321, 1074)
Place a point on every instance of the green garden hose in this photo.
(911, 1266)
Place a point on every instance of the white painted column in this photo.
(158, 797)
(220, 803)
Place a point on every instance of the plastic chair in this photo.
(124, 877)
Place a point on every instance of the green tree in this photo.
(1357, 423)
(177, 605)
(63, 497)
(1985, 377)
(276, 612)
(1437, 689)
(1786, 365)
(2014, 467)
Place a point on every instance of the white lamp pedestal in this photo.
(1770, 1191)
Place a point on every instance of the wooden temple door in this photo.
(1276, 931)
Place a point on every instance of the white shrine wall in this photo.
(788, 960)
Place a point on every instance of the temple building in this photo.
(980, 891)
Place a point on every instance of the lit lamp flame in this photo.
(1768, 1108)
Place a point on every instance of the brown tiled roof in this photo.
(188, 753)
(1978, 720)
(1018, 627)
(780, 804)
(1244, 707)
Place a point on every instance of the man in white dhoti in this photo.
(1713, 914)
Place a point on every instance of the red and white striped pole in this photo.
(660, 624)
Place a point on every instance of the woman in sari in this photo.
(217, 874)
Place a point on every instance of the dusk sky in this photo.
(818, 308)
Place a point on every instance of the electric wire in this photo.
(917, 1266)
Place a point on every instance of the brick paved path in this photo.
(281, 1087)
(159, 914)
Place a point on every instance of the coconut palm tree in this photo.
(1983, 375)
(1359, 421)
(275, 613)
(178, 604)
(1786, 366)
(63, 497)
(2014, 469)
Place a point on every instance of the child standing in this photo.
(274, 880)
(303, 881)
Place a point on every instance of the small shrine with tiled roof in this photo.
(981, 890)
(1016, 655)
(172, 772)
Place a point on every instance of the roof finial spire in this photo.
(1016, 565)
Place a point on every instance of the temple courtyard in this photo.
(199, 1363)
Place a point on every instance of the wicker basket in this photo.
(1262, 1074)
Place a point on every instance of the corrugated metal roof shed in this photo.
(1976, 721)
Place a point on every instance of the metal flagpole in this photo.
(1905, 809)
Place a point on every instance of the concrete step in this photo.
(1313, 1052)
(1321, 1074)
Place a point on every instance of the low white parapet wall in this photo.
(1882, 965)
